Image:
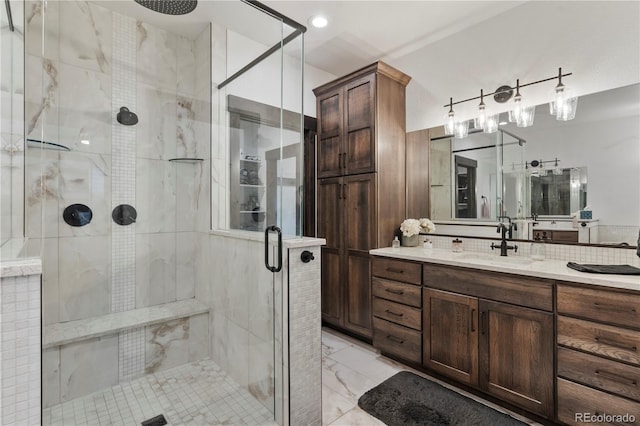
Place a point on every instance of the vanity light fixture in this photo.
(556, 169)
(563, 107)
(460, 129)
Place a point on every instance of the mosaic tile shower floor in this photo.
(195, 394)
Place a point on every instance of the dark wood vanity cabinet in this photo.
(492, 331)
(360, 168)
(397, 308)
(598, 352)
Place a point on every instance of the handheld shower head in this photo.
(126, 117)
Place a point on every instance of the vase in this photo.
(412, 241)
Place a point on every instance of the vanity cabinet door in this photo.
(516, 355)
(450, 334)
(330, 137)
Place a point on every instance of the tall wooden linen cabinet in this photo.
(361, 185)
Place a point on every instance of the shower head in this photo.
(169, 7)
(126, 117)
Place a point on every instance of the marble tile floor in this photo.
(195, 394)
(201, 394)
(350, 368)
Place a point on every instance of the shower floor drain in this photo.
(155, 421)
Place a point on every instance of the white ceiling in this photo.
(449, 48)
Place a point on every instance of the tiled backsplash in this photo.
(570, 253)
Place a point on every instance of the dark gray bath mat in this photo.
(408, 399)
(158, 420)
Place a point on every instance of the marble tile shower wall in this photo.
(573, 253)
(92, 62)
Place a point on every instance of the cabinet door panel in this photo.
(359, 119)
(360, 225)
(330, 138)
(516, 355)
(331, 288)
(450, 344)
(331, 212)
(358, 294)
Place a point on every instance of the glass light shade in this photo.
(564, 104)
(450, 124)
(542, 171)
(480, 120)
(491, 123)
(557, 171)
(461, 129)
(526, 116)
(568, 110)
(516, 111)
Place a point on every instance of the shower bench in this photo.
(74, 331)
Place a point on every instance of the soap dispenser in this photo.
(396, 242)
(538, 249)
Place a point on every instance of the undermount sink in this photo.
(496, 258)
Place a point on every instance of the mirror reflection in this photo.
(538, 174)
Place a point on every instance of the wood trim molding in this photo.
(377, 67)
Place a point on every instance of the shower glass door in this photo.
(258, 171)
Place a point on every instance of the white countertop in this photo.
(521, 265)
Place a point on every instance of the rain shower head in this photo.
(126, 117)
(169, 7)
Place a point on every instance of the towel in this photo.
(605, 269)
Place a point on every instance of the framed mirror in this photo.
(549, 173)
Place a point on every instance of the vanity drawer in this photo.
(600, 305)
(397, 270)
(575, 400)
(400, 314)
(600, 373)
(605, 340)
(515, 289)
(397, 340)
(398, 292)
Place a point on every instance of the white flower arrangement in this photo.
(410, 227)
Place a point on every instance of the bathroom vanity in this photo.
(536, 335)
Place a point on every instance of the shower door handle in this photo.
(266, 248)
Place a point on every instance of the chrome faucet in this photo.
(504, 229)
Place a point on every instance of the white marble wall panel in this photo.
(85, 179)
(261, 370)
(167, 345)
(219, 326)
(156, 128)
(47, 250)
(191, 196)
(203, 65)
(186, 66)
(261, 295)
(198, 337)
(84, 277)
(203, 213)
(85, 109)
(156, 57)
(50, 377)
(186, 128)
(39, 16)
(237, 353)
(42, 174)
(155, 196)
(88, 366)
(155, 269)
(186, 256)
(85, 35)
(41, 99)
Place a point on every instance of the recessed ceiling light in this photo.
(318, 21)
(85, 142)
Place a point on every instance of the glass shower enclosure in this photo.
(132, 220)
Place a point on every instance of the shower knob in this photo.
(124, 214)
(77, 215)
